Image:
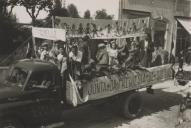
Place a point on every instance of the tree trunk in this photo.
(33, 21)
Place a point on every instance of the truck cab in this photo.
(32, 93)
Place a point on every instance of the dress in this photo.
(113, 53)
(102, 59)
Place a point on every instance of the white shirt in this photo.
(43, 54)
(112, 52)
(146, 44)
(77, 57)
(63, 61)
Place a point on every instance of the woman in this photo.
(113, 54)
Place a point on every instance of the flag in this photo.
(72, 94)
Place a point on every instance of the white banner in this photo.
(49, 33)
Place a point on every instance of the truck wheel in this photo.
(181, 82)
(131, 105)
(10, 123)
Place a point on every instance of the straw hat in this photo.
(101, 45)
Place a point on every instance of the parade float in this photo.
(36, 88)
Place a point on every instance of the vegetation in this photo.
(73, 11)
(11, 33)
(102, 14)
(87, 14)
(33, 7)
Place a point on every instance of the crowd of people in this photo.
(77, 56)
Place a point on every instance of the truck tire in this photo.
(131, 105)
(181, 82)
(10, 123)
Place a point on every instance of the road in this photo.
(159, 111)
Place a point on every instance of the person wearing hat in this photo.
(75, 59)
(102, 57)
(133, 57)
(44, 53)
(84, 48)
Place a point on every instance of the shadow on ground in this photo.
(107, 117)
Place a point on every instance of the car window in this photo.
(18, 76)
(40, 80)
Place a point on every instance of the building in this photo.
(170, 20)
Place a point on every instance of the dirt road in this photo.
(159, 111)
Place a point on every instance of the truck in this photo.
(34, 92)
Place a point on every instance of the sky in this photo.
(111, 6)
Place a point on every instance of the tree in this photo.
(73, 11)
(57, 4)
(87, 14)
(10, 31)
(102, 14)
(4, 4)
(33, 7)
(58, 10)
(63, 12)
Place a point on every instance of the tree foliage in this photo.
(87, 14)
(73, 11)
(33, 7)
(58, 10)
(57, 4)
(102, 14)
(63, 12)
(4, 4)
(10, 32)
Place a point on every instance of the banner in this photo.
(101, 28)
(49, 33)
(106, 86)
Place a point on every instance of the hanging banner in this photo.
(101, 28)
(103, 87)
(49, 33)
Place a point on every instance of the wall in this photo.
(3, 73)
(164, 9)
(183, 8)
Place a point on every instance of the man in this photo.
(75, 59)
(102, 57)
(62, 60)
(53, 53)
(156, 57)
(44, 53)
(146, 53)
(131, 61)
(122, 49)
(84, 48)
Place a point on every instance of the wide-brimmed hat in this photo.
(101, 45)
(45, 44)
(113, 41)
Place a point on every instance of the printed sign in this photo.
(49, 33)
(103, 87)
